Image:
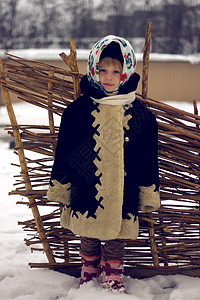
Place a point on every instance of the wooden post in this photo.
(145, 68)
(153, 245)
(163, 240)
(24, 171)
(50, 112)
(71, 61)
(197, 126)
(195, 110)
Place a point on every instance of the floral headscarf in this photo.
(94, 57)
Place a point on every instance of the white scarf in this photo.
(117, 99)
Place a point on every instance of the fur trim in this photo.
(93, 228)
(149, 198)
(110, 163)
(59, 192)
(129, 228)
(104, 227)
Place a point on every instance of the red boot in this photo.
(90, 268)
(113, 276)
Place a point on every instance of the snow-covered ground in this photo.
(19, 282)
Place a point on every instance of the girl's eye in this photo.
(102, 70)
(116, 72)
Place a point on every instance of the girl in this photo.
(106, 165)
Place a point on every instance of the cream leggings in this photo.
(111, 250)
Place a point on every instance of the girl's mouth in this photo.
(108, 84)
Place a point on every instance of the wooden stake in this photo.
(19, 145)
(153, 245)
(196, 113)
(146, 54)
(195, 110)
(50, 112)
(71, 61)
(145, 70)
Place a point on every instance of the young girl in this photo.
(106, 166)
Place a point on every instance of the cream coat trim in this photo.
(129, 229)
(59, 192)
(109, 145)
(149, 198)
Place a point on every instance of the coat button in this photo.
(126, 106)
(126, 139)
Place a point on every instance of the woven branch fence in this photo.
(169, 239)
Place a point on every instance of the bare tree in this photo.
(43, 24)
(77, 10)
(190, 28)
(49, 23)
(8, 11)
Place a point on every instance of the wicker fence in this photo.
(169, 240)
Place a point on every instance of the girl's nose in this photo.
(108, 76)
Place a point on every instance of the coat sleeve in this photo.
(149, 189)
(60, 183)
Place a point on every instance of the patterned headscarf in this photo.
(128, 55)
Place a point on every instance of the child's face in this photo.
(110, 76)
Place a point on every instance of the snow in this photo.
(19, 282)
(82, 54)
